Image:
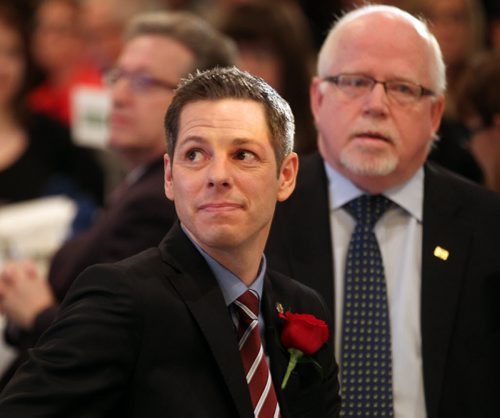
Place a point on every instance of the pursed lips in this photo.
(219, 207)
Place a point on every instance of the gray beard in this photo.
(368, 163)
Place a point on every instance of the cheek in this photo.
(265, 196)
(334, 125)
(186, 186)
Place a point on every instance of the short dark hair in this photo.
(13, 16)
(209, 47)
(232, 83)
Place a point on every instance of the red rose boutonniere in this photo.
(303, 334)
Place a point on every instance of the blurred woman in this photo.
(37, 157)
(58, 48)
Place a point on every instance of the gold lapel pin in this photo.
(441, 253)
(279, 308)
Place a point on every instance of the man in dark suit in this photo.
(160, 49)
(155, 335)
(377, 103)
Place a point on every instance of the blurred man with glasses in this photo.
(160, 49)
(377, 102)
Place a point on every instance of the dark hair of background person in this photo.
(280, 28)
(14, 16)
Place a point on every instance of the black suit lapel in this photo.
(441, 279)
(200, 291)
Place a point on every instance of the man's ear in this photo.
(437, 109)
(168, 183)
(288, 176)
(315, 96)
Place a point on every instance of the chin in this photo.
(369, 165)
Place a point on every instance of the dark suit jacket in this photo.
(151, 336)
(458, 324)
(135, 220)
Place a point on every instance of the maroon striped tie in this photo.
(260, 384)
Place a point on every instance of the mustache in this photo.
(372, 130)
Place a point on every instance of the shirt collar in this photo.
(408, 195)
(231, 286)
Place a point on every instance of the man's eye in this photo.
(403, 88)
(358, 82)
(193, 155)
(244, 155)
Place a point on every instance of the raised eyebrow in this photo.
(241, 142)
(196, 140)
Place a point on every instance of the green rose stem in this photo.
(295, 356)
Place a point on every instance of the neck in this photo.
(242, 260)
(243, 266)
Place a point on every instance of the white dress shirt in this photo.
(399, 234)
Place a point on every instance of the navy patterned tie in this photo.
(366, 337)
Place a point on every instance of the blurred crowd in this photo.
(58, 64)
(61, 49)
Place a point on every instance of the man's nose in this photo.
(121, 91)
(219, 172)
(376, 101)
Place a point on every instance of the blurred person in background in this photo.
(102, 27)
(478, 107)
(160, 49)
(37, 157)
(58, 49)
(459, 28)
(275, 43)
(103, 23)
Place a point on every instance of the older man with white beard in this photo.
(404, 252)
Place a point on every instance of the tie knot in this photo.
(368, 209)
(249, 301)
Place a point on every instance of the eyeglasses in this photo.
(139, 82)
(356, 85)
